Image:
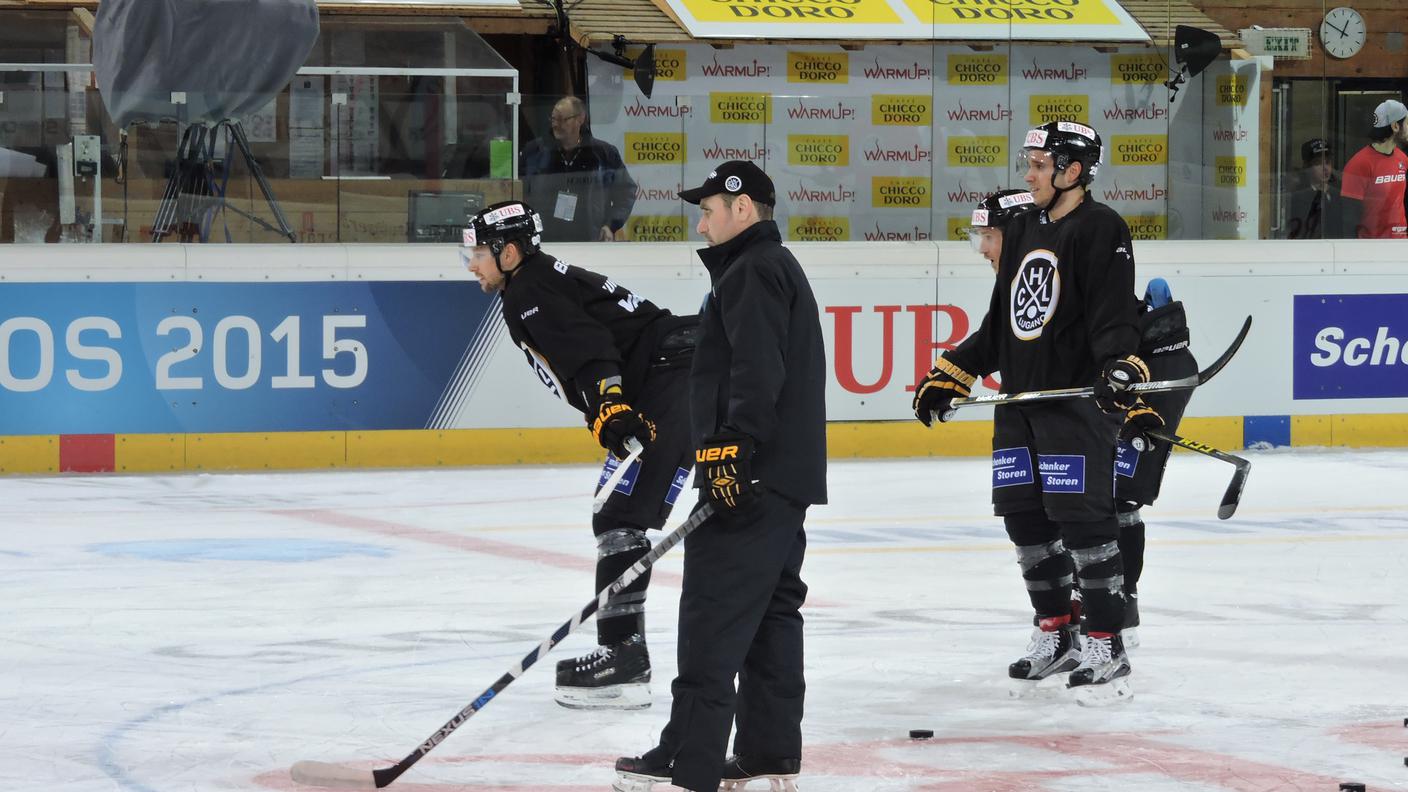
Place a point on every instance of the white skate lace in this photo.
(1097, 652)
(1043, 645)
(595, 659)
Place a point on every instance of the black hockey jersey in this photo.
(577, 327)
(1061, 305)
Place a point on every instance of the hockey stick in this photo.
(1183, 383)
(1233, 495)
(633, 445)
(325, 774)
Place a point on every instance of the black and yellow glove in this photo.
(936, 392)
(1112, 389)
(616, 421)
(724, 463)
(1138, 422)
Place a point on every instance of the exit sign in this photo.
(1282, 43)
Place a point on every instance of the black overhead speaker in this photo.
(643, 65)
(1194, 49)
(228, 58)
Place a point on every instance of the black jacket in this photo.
(760, 364)
(593, 175)
(1062, 303)
(577, 327)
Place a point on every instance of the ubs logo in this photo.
(1036, 291)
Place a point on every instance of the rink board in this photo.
(119, 358)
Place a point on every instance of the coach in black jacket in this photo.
(757, 403)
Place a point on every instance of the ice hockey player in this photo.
(624, 363)
(1163, 344)
(757, 404)
(1062, 314)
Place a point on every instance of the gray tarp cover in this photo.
(229, 56)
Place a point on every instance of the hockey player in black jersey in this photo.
(624, 363)
(1061, 315)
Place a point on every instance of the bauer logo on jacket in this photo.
(1036, 290)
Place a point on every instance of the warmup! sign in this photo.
(1350, 346)
(904, 141)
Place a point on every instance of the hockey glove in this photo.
(1112, 390)
(616, 421)
(724, 462)
(1138, 422)
(936, 392)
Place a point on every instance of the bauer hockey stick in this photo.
(1233, 495)
(1158, 386)
(325, 774)
(604, 492)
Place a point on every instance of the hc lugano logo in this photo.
(1036, 290)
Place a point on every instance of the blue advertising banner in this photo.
(231, 357)
(1350, 346)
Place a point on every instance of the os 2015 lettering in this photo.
(230, 373)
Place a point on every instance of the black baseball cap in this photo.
(1314, 149)
(735, 177)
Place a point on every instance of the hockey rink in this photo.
(204, 632)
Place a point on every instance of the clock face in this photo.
(1343, 32)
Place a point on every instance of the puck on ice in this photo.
(920, 734)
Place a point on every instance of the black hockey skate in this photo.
(1055, 650)
(640, 774)
(1130, 633)
(781, 774)
(615, 676)
(1103, 674)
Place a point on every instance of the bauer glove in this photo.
(616, 421)
(724, 463)
(1138, 422)
(1112, 390)
(936, 392)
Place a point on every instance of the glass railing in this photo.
(887, 142)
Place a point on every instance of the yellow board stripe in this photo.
(146, 453)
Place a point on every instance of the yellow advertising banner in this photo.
(1139, 150)
(824, 151)
(1230, 171)
(656, 228)
(740, 108)
(1027, 12)
(901, 192)
(671, 65)
(1046, 108)
(921, 20)
(1138, 69)
(902, 110)
(836, 12)
(655, 148)
(977, 151)
(1232, 90)
(825, 68)
(1147, 226)
(803, 228)
(977, 69)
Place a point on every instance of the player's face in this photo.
(988, 243)
(720, 222)
(1038, 171)
(481, 265)
(1400, 136)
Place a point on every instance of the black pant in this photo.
(739, 617)
(643, 499)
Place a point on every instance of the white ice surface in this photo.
(204, 632)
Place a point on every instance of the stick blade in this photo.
(325, 774)
(1233, 496)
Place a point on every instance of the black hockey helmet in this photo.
(505, 222)
(998, 209)
(1067, 142)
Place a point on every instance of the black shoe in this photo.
(740, 768)
(780, 773)
(640, 773)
